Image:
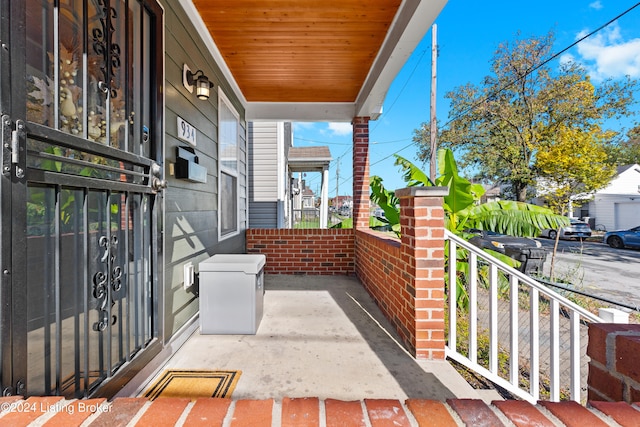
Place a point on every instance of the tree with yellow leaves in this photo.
(572, 164)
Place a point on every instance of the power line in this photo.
(509, 84)
(404, 86)
(320, 142)
(343, 143)
(389, 142)
(543, 63)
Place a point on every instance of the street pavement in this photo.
(597, 269)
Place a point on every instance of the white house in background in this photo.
(269, 178)
(277, 190)
(310, 159)
(616, 206)
(491, 193)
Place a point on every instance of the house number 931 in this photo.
(186, 132)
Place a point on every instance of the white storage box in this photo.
(231, 293)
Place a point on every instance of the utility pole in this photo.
(337, 184)
(434, 125)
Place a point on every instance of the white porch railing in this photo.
(534, 337)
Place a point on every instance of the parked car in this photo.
(578, 230)
(524, 249)
(623, 238)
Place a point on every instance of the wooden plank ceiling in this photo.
(298, 50)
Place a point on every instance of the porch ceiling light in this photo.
(199, 80)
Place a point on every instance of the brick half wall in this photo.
(380, 268)
(406, 277)
(304, 251)
(614, 368)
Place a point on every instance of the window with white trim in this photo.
(228, 141)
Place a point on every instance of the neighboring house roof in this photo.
(342, 199)
(309, 159)
(320, 61)
(626, 182)
(492, 191)
(622, 169)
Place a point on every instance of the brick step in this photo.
(51, 411)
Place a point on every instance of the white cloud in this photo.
(607, 54)
(340, 128)
(326, 128)
(597, 5)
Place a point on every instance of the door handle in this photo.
(157, 183)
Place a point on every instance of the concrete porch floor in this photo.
(323, 356)
(324, 337)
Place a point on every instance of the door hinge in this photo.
(16, 135)
(11, 137)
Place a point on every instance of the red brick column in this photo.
(614, 370)
(422, 250)
(360, 172)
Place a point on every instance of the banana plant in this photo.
(464, 211)
(388, 202)
(462, 206)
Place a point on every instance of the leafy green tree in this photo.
(499, 126)
(626, 152)
(573, 162)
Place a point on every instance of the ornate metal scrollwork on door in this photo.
(103, 280)
(104, 46)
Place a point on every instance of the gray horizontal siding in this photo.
(264, 215)
(191, 209)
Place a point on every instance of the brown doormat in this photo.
(193, 384)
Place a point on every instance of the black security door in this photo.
(82, 119)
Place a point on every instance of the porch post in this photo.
(360, 172)
(324, 198)
(422, 250)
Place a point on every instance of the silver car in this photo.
(578, 230)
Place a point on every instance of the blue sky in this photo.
(468, 33)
